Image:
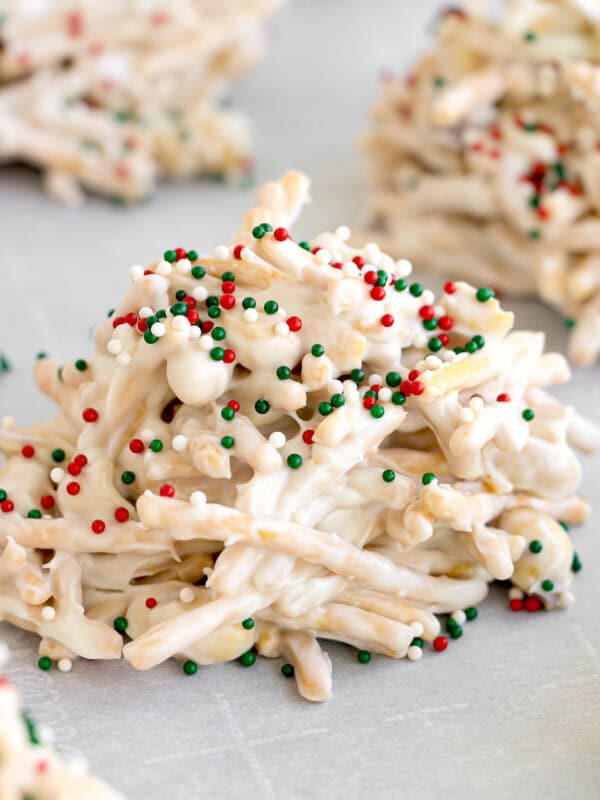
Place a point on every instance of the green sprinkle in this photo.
(227, 442)
(45, 663)
(547, 585)
(227, 413)
(34, 514)
(479, 341)
(58, 455)
(393, 379)
(528, 414)
(398, 398)
(217, 353)
(435, 344)
(258, 232)
(576, 564)
(59, 373)
(338, 400)
(128, 477)
(416, 289)
(81, 365)
(31, 728)
(363, 656)
(325, 408)
(283, 373)
(271, 307)
(428, 478)
(287, 671)
(294, 461)
(570, 322)
(529, 36)
(534, 233)
(317, 350)
(190, 667)
(564, 525)
(41, 356)
(459, 350)
(218, 333)
(262, 406)
(471, 347)
(249, 302)
(417, 642)
(198, 273)
(228, 276)
(248, 659)
(150, 338)
(377, 411)
(430, 324)
(451, 623)
(248, 624)
(484, 294)
(192, 255)
(3, 495)
(535, 546)
(471, 613)
(156, 445)
(160, 314)
(214, 312)
(180, 294)
(357, 375)
(456, 631)
(388, 475)
(212, 300)
(400, 285)
(120, 624)
(170, 256)
(304, 245)
(179, 309)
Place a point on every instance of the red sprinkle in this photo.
(228, 287)
(142, 325)
(90, 415)
(137, 446)
(7, 506)
(151, 602)
(378, 293)
(180, 252)
(47, 501)
(234, 404)
(450, 287)
(503, 398)
(74, 469)
(516, 604)
(440, 643)
(533, 604)
(193, 316)
(369, 402)
(73, 488)
(294, 324)
(370, 277)
(417, 387)
(81, 460)
(359, 261)
(413, 374)
(445, 323)
(307, 436)
(337, 265)
(227, 301)
(237, 251)
(98, 526)
(387, 320)
(406, 387)
(281, 234)
(375, 387)
(427, 312)
(119, 321)
(166, 490)
(28, 451)
(229, 356)
(121, 514)
(444, 339)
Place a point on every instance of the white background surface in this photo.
(510, 710)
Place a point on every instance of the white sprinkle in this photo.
(136, 272)
(323, 256)
(385, 262)
(195, 332)
(124, 359)
(385, 394)
(277, 439)
(427, 297)
(144, 312)
(114, 347)
(187, 595)
(57, 474)
(433, 362)
(281, 312)
(221, 253)
(200, 293)
(466, 415)
(417, 628)
(372, 252)
(247, 254)
(65, 665)
(403, 267)
(448, 355)
(48, 613)
(350, 270)
(476, 404)
(206, 343)
(163, 268)
(250, 315)
(414, 653)
(343, 232)
(158, 329)
(181, 323)
(515, 594)
(198, 499)
(281, 329)
(184, 266)
(374, 378)
(179, 443)
(459, 616)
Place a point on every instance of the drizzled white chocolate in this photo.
(107, 95)
(302, 449)
(485, 160)
(31, 768)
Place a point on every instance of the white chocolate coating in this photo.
(485, 160)
(193, 446)
(108, 96)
